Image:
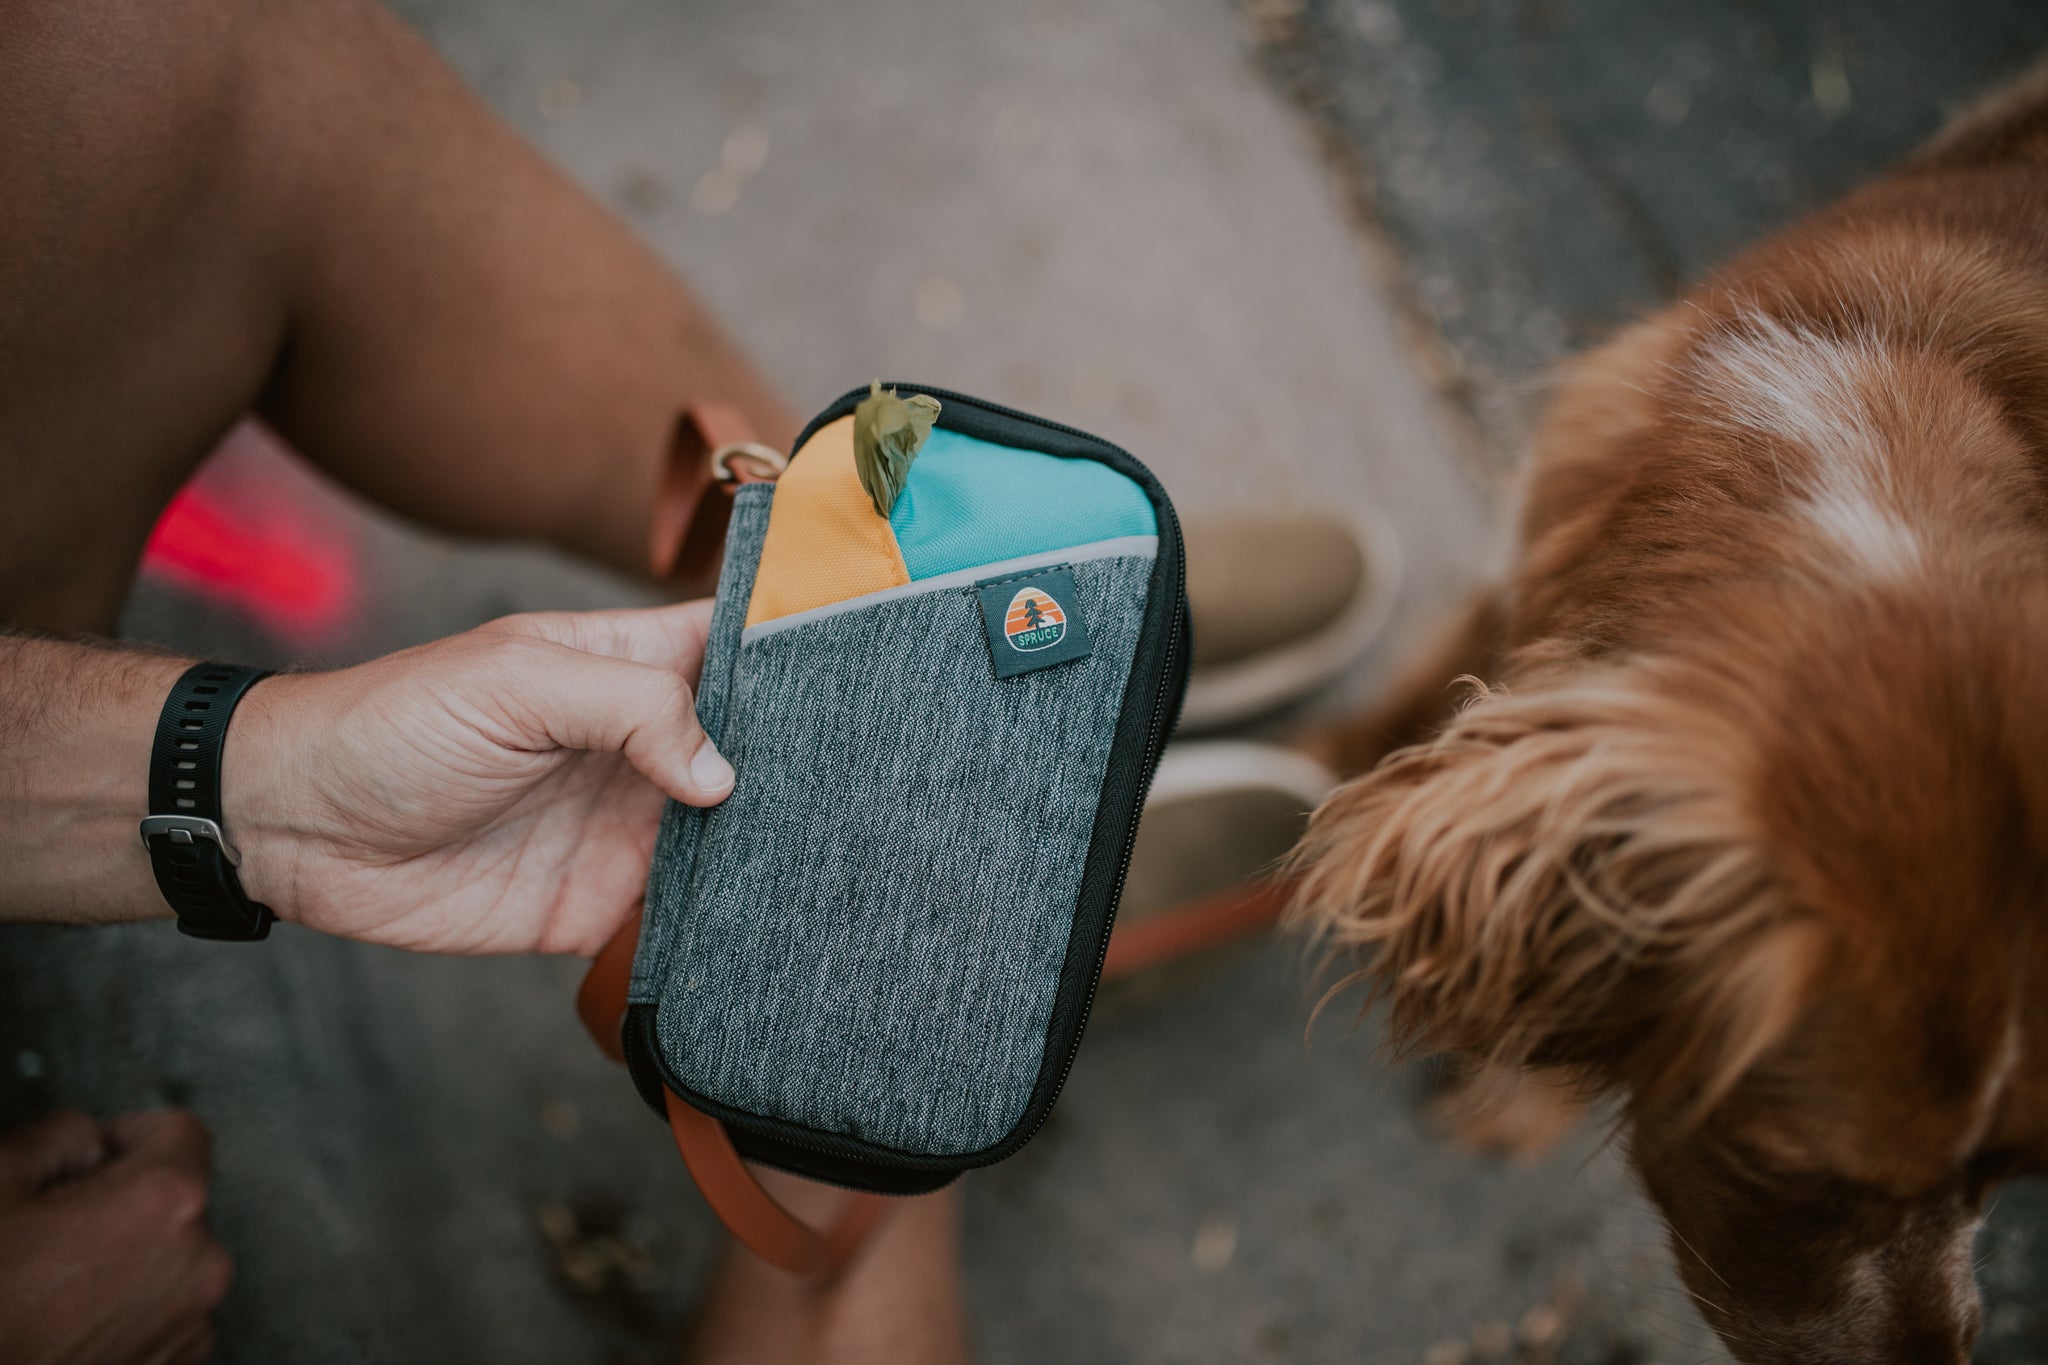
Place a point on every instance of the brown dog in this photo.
(1750, 829)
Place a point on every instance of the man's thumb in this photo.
(648, 713)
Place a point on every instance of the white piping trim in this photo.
(1121, 547)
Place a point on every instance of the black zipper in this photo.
(850, 1159)
(1155, 743)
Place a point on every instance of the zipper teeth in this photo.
(949, 396)
(1154, 743)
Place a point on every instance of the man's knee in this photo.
(118, 107)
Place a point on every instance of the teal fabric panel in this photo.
(970, 502)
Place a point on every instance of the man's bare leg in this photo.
(230, 204)
(473, 341)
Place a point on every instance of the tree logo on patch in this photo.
(1034, 621)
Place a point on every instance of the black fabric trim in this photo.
(1145, 720)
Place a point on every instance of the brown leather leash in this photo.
(712, 454)
(729, 1186)
(1195, 926)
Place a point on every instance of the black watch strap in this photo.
(193, 860)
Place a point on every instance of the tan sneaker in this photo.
(1282, 602)
(1219, 818)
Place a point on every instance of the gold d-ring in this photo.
(769, 458)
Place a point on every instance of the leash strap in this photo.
(1195, 926)
(729, 1186)
(711, 454)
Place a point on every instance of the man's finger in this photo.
(51, 1150)
(173, 1137)
(579, 700)
(670, 637)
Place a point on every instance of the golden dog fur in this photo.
(1747, 826)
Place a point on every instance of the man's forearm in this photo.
(76, 723)
(496, 791)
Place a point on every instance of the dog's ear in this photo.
(1568, 878)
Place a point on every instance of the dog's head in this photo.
(1779, 884)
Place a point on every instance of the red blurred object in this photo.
(264, 555)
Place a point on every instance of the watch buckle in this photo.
(188, 829)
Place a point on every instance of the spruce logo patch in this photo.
(1032, 621)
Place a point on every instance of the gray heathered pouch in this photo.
(874, 960)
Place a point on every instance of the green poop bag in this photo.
(887, 434)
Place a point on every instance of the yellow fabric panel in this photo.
(824, 543)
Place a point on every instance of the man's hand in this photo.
(105, 1258)
(498, 791)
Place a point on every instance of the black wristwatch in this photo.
(194, 862)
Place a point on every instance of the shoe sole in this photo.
(1205, 767)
